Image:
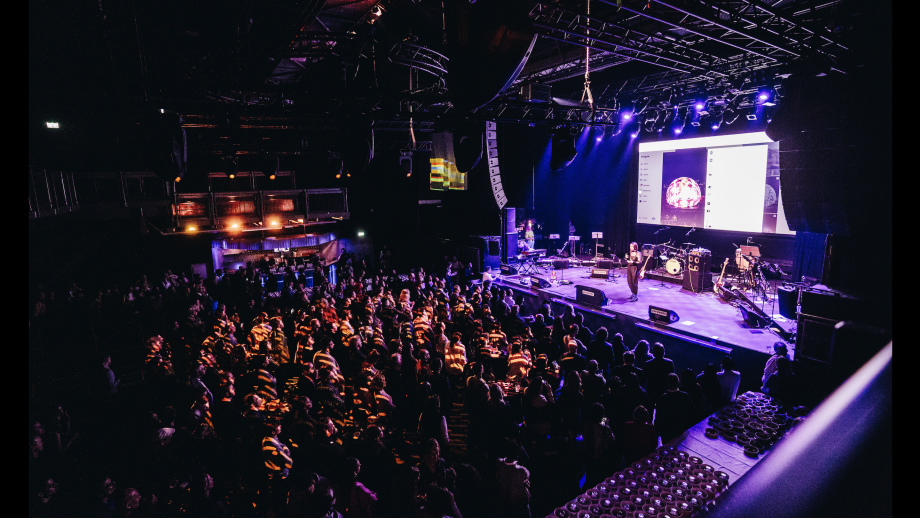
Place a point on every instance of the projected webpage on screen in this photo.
(728, 183)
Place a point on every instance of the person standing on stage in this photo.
(528, 235)
(632, 271)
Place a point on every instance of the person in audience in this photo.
(674, 411)
(729, 380)
(781, 384)
(335, 399)
(779, 351)
(708, 380)
(656, 371)
(640, 437)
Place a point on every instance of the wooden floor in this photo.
(703, 316)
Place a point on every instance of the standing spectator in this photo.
(352, 499)
(640, 437)
(601, 351)
(628, 367)
(599, 444)
(618, 348)
(689, 385)
(657, 370)
(674, 411)
(487, 279)
(781, 384)
(513, 485)
(108, 385)
(593, 383)
(779, 351)
(641, 352)
(572, 361)
(571, 400)
(432, 424)
(729, 379)
(708, 380)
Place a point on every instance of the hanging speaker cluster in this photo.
(495, 175)
(563, 150)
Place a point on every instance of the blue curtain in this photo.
(809, 255)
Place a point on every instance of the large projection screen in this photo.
(728, 182)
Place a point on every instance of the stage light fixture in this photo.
(178, 179)
(405, 162)
(695, 118)
(375, 13)
(699, 106)
(271, 176)
(678, 123)
(751, 116)
(53, 125)
(234, 225)
(360, 233)
(162, 110)
(563, 149)
(191, 228)
(231, 176)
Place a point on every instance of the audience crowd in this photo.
(379, 395)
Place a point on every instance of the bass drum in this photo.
(673, 266)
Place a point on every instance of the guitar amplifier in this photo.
(649, 257)
(698, 275)
(507, 269)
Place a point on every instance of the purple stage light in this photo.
(627, 116)
(715, 126)
(699, 106)
(598, 139)
(677, 131)
(763, 96)
(633, 135)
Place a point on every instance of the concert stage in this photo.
(705, 319)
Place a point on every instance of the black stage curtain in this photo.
(620, 223)
(809, 255)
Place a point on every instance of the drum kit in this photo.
(674, 258)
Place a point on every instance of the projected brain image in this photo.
(683, 193)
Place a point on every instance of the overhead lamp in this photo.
(717, 121)
(53, 125)
(162, 110)
(405, 162)
(178, 178)
(360, 233)
(678, 123)
(375, 13)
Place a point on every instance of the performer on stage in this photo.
(633, 260)
(528, 235)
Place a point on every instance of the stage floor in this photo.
(704, 316)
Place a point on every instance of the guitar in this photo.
(641, 273)
(719, 283)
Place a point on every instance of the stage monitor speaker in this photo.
(507, 269)
(752, 318)
(560, 264)
(662, 316)
(563, 150)
(698, 275)
(588, 295)
(493, 247)
(538, 283)
(788, 298)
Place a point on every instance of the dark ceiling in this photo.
(299, 77)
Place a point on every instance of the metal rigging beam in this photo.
(694, 30)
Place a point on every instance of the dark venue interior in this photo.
(460, 258)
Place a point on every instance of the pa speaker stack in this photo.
(698, 275)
